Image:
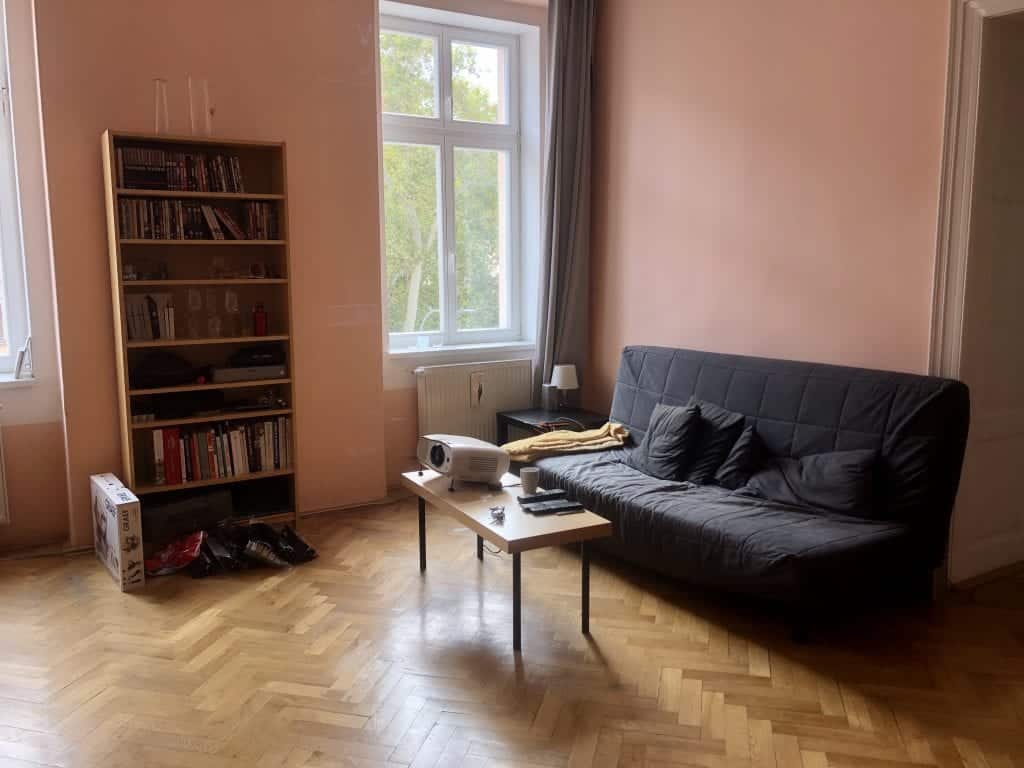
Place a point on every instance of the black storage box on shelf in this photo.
(161, 368)
(166, 519)
(257, 355)
(183, 405)
(270, 496)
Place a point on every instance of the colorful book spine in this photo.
(172, 470)
(223, 450)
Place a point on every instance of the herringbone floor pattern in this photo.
(356, 660)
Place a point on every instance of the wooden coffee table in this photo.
(471, 505)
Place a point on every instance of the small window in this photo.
(480, 83)
(13, 305)
(408, 66)
(451, 185)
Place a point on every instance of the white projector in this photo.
(463, 458)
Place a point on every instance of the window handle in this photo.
(3, 99)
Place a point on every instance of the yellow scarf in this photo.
(566, 441)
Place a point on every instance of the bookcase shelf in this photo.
(224, 281)
(145, 490)
(201, 419)
(212, 418)
(285, 517)
(205, 342)
(175, 194)
(208, 387)
(149, 241)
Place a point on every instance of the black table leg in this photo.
(501, 429)
(517, 597)
(423, 533)
(479, 548)
(585, 566)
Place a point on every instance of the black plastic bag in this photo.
(230, 549)
(285, 543)
(221, 553)
(261, 552)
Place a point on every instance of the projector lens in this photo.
(437, 455)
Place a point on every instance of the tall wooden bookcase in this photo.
(204, 279)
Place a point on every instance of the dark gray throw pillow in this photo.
(668, 447)
(746, 457)
(719, 431)
(840, 481)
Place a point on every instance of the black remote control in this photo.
(552, 507)
(552, 495)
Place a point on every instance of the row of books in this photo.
(262, 221)
(149, 316)
(183, 220)
(141, 168)
(224, 450)
(162, 220)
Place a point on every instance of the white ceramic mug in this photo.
(530, 478)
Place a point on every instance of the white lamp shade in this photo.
(564, 377)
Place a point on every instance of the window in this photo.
(13, 307)
(452, 185)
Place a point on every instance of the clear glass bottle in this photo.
(195, 312)
(232, 314)
(213, 318)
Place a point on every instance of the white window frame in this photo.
(448, 134)
(12, 260)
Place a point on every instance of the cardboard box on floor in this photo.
(117, 531)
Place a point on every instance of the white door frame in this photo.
(967, 22)
(956, 192)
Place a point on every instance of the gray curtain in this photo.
(563, 331)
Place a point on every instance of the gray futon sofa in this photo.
(795, 554)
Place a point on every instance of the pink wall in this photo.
(766, 179)
(303, 72)
(36, 491)
(31, 426)
(775, 168)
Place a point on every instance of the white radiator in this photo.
(463, 399)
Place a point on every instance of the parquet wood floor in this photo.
(355, 660)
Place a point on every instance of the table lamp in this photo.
(563, 378)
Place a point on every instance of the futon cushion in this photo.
(709, 535)
(669, 443)
(838, 481)
(719, 430)
(745, 458)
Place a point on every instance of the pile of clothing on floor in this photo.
(231, 548)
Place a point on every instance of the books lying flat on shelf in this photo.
(145, 168)
(181, 456)
(149, 316)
